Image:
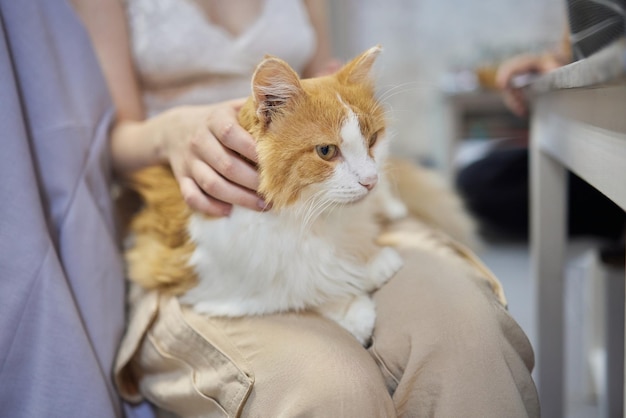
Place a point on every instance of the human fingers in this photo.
(550, 62)
(223, 124)
(219, 188)
(199, 201)
(515, 66)
(515, 101)
(226, 162)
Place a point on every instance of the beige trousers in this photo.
(443, 346)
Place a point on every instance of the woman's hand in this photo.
(519, 65)
(204, 147)
(203, 144)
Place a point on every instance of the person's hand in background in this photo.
(526, 64)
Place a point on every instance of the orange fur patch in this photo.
(161, 249)
(288, 161)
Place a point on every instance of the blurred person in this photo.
(496, 187)
(443, 344)
(62, 290)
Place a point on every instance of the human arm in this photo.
(201, 143)
(322, 62)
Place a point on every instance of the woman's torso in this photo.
(182, 57)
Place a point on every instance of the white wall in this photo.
(424, 38)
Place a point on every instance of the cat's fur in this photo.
(316, 248)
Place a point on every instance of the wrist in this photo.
(137, 144)
(158, 133)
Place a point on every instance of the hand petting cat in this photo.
(208, 164)
(211, 155)
(205, 152)
(204, 147)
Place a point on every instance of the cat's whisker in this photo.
(305, 206)
(311, 209)
(336, 205)
(385, 98)
(403, 88)
(309, 213)
(311, 200)
(322, 205)
(319, 209)
(392, 87)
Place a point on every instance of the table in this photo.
(458, 107)
(578, 123)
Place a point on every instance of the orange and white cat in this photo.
(321, 148)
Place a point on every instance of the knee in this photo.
(326, 378)
(442, 311)
(471, 326)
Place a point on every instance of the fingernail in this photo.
(263, 205)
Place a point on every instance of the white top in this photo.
(182, 58)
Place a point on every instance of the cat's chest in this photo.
(264, 245)
(252, 232)
(269, 246)
(260, 257)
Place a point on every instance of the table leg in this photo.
(548, 233)
(614, 342)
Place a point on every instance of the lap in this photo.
(304, 362)
(443, 338)
(276, 365)
(292, 364)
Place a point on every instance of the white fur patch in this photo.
(254, 263)
(357, 167)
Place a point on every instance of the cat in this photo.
(322, 147)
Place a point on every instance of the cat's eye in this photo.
(326, 152)
(373, 139)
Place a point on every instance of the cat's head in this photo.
(320, 140)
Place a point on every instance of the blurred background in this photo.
(436, 76)
(431, 49)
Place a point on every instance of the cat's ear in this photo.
(358, 70)
(274, 85)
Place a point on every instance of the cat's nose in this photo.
(369, 182)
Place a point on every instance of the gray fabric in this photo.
(594, 24)
(61, 279)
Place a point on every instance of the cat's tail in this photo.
(157, 242)
(162, 212)
(429, 198)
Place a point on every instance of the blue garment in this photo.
(61, 278)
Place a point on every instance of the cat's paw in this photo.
(356, 314)
(386, 263)
(394, 209)
(359, 319)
